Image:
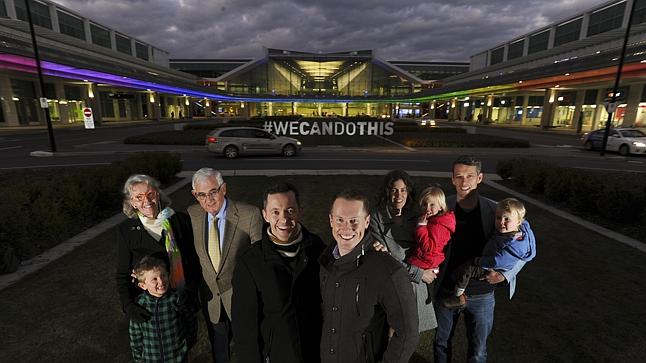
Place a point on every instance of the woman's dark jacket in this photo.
(365, 292)
(135, 243)
(276, 306)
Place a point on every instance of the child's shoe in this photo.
(455, 302)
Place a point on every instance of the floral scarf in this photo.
(176, 268)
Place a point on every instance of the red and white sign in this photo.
(88, 118)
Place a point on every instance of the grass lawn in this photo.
(579, 301)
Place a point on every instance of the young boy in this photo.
(513, 241)
(163, 337)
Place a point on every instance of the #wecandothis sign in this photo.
(332, 128)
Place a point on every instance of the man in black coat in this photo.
(276, 303)
(364, 292)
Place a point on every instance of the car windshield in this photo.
(633, 133)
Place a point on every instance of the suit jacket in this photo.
(243, 226)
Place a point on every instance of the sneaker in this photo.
(455, 302)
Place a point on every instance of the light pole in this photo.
(43, 99)
(617, 78)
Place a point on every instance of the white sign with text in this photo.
(332, 128)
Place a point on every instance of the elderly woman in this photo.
(153, 228)
(392, 224)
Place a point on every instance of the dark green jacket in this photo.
(165, 336)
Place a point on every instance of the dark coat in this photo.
(135, 243)
(277, 309)
(363, 293)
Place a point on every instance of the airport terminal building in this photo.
(555, 76)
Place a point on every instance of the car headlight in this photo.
(639, 144)
(298, 142)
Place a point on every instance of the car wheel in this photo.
(231, 152)
(588, 145)
(624, 150)
(289, 150)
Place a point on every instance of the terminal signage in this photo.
(331, 128)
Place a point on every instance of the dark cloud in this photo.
(397, 30)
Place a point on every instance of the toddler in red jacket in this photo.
(435, 226)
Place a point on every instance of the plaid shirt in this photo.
(163, 338)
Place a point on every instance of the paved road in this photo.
(102, 146)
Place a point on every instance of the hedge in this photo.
(41, 208)
(453, 138)
(618, 197)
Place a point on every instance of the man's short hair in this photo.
(512, 205)
(469, 160)
(206, 173)
(278, 189)
(353, 195)
(148, 263)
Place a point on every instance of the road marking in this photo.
(396, 143)
(607, 169)
(635, 162)
(97, 143)
(10, 147)
(52, 166)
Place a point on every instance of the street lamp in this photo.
(43, 99)
(615, 89)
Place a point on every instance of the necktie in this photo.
(214, 244)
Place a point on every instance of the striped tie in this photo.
(214, 244)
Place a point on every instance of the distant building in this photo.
(555, 76)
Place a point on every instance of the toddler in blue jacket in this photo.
(513, 241)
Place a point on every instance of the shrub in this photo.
(41, 209)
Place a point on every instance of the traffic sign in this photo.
(88, 118)
(610, 106)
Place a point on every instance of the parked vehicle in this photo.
(625, 141)
(234, 141)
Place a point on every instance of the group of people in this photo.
(264, 280)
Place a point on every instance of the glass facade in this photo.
(497, 55)
(515, 50)
(568, 32)
(3, 14)
(39, 13)
(305, 77)
(71, 25)
(100, 36)
(538, 42)
(606, 19)
(639, 13)
(123, 44)
(142, 51)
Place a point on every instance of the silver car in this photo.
(234, 141)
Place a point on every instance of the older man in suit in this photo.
(222, 230)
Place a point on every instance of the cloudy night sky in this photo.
(449, 30)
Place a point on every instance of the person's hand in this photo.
(422, 219)
(133, 277)
(494, 277)
(379, 247)
(429, 276)
(137, 313)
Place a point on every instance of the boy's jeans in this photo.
(478, 315)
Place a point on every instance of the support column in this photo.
(549, 101)
(63, 107)
(154, 106)
(320, 109)
(577, 120)
(11, 9)
(270, 108)
(368, 109)
(8, 104)
(52, 16)
(345, 109)
(91, 100)
(601, 94)
(207, 109)
(632, 104)
(523, 117)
